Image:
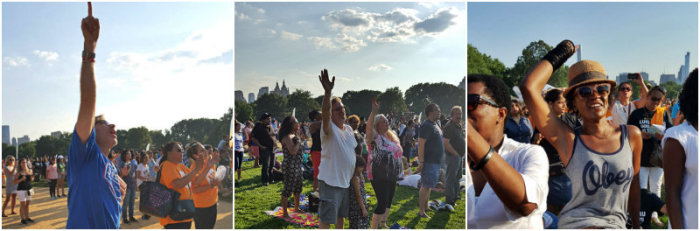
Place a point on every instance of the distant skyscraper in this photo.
(681, 71)
(251, 97)
(262, 91)
(239, 96)
(462, 83)
(578, 53)
(56, 134)
(23, 139)
(6, 134)
(687, 67)
(284, 91)
(667, 77)
(14, 141)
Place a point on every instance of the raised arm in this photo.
(644, 91)
(554, 130)
(674, 159)
(88, 95)
(636, 143)
(369, 133)
(326, 105)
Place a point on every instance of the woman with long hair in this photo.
(205, 190)
(291, 165)
(143, 175)
(601, 159)
(9, 171)
(52, 177)
(177, 176)
(385, 156)
(61, 177)
(23, 179)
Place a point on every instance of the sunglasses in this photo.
(587, 91)
(625, 89)
(655, 99)
(103, 122)
(473, 101)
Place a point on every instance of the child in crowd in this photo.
(359, 217)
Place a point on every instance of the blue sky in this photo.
(623, 37)
(365, 45)
(157, 63)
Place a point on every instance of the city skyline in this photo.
(163, 56)
(623, 37)
(364, 45)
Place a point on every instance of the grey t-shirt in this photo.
(600, 184)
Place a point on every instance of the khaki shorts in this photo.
(334, 202)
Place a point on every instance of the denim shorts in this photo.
(559, 190)
(429, 175)
(334, 202)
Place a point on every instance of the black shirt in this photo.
(555, 165)
(25, 184)
(261, 132)
(642, 119)
(316, 140)
(456, 134)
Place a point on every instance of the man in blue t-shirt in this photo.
(430, 154)
(95, 190)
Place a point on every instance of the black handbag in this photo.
(156, 199)
(182, 209)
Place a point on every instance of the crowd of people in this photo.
(345, 151)
(584, 156)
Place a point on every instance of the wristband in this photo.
(483, 161)
(560, 54)
(88, 56)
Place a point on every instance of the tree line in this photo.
(205, 130)
(393, 101)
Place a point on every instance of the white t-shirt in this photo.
(141, 171)
(470, 196)
(532, 164)
(337, 156)
(620, 113)
(687, 136)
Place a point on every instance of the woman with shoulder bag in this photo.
(177, 176)
(23, 179)
(385, 163)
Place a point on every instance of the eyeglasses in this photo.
(179, 150)
(625, 89)
(103, 122)
(473, 101)
(587, 91)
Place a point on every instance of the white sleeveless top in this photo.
(688, 137)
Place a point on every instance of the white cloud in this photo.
(380, 67)
(398, 25)
(289, 35)
(46, 55)
(15, 61)
(247, 12)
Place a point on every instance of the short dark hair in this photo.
(430, 108)
(312, 114)
(495, 88)
(688, 99)
(553, 95)
(657, 88)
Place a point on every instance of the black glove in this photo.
(560, 54)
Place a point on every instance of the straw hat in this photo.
(585, 72)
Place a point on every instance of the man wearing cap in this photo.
(263, 137)
(337, 158)
(95, 190)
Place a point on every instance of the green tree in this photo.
(273, 104)
(138, 138)
(479, 63)
(531, 55)
(303, 102)
(672, 89)
(392, 101)
(27, 149)
(359, 102)
(50, 145)
(244, 111)
(636, 90)
(158, 139)
(444, 94)
(7, 150)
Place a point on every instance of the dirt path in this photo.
(52, 214)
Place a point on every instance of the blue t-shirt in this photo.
(130, 178)
(434, 150)
(94, 197)
(517, 131)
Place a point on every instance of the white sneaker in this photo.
(655, 219)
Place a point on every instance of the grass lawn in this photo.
(252, 200)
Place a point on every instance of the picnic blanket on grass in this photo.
(295, 217)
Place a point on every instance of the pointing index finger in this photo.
(89, 9)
